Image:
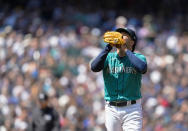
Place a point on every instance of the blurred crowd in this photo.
(50, 51)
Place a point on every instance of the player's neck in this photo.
(121, 53)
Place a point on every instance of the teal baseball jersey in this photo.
(121, 80)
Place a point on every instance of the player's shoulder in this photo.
(112, 54)
(139, 55)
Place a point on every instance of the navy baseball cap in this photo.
(43, 97)
(131, 33)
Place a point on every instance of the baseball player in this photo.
(122, 73)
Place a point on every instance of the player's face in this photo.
(128, 42)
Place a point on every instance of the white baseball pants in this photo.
(126, 118)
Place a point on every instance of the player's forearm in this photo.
(140, 65)
(98, 63)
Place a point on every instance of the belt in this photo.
(121, 103)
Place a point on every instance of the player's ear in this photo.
(131, 42)
(133, 46)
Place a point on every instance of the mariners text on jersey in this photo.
(121, 80)
(121, 69)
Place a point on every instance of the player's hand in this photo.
(110, 44)
(108, 47)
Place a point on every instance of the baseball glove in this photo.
(113, 38)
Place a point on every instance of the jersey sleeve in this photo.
(98, 63)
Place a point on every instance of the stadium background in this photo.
(46, 45)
